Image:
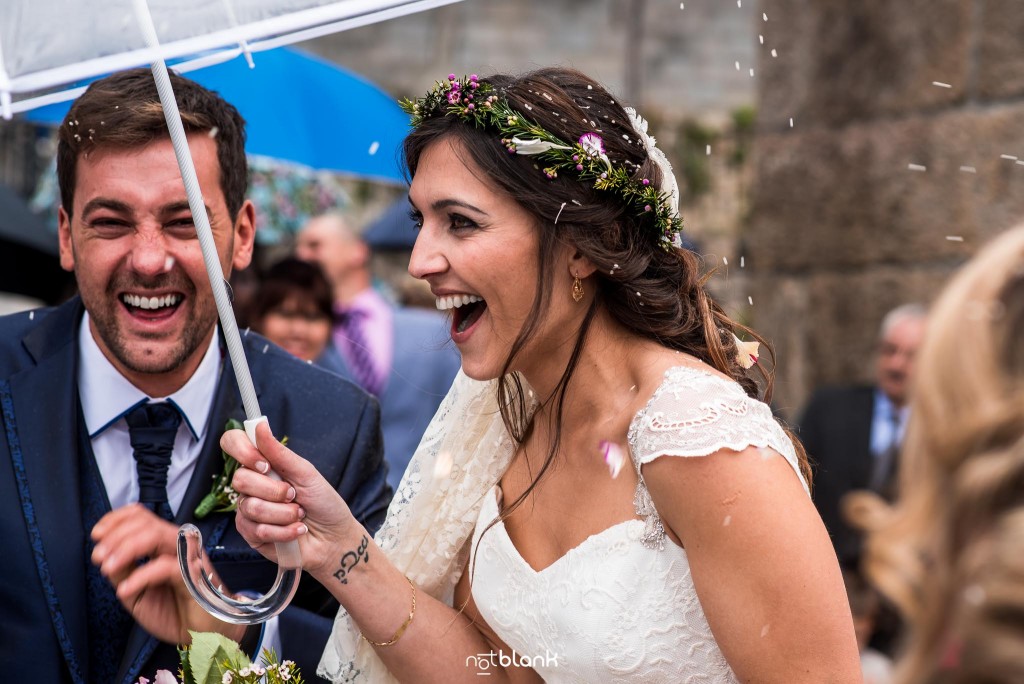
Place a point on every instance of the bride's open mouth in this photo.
(466, 311)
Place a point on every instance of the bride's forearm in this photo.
(426, 642)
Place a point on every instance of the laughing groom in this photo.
(112, 407)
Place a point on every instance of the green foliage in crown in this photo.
(477, 103)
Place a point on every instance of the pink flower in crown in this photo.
(454, 93)
(592, 144)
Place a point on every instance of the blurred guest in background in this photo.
(853, 434)
(951, 551)
(401, 355)
(293, 309)
(865, 606)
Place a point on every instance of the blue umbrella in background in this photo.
(303, 109)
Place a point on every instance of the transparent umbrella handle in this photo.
(197, 574)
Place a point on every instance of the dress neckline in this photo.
(491, 509)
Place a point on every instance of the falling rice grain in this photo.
(764, 631)
(728, 519)
(760, 38)
(775, 53)
(213, 132)
(709, 150)
(917, 167)
(764, 16)
(1008, 156)
(750, 300)
(941, 84)
(559, 213)
(265, 348)
(741, 262)
(790, 122)
(955, 238)
(31, 315)
(737, 65)
(725, 260)
(968, 169)
(374, 146)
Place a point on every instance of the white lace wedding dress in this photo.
(621, 606)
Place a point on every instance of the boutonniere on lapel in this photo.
(223, 498)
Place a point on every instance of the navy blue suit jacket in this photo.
(836, 432)
(42, 576)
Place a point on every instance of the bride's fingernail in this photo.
(302, 513)
(262, 466)
(291, 494)
(303, 529)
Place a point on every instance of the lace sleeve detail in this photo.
(697, 413)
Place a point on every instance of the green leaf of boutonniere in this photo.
(223, 498)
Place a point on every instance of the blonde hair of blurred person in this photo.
(329, 240)
(951, 553)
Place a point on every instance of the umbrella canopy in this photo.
(37, 69)
(303, 109)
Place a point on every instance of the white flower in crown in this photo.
(668, 179)
(535, 146)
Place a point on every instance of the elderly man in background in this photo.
(400, 355)
(853, 434)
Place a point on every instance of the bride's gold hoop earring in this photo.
(577, 289)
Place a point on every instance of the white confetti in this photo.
(374, 146)
(974, 595)
(917, 167)
(750, 300)
(443, 465)
(1008, 156)
(728, 519)
(968, 169)
(955, 238)
(775, 53)
(941, 84)
(559, 213)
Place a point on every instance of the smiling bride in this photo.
(549, 229)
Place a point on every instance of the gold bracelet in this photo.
(405, 625)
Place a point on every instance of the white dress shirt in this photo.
(107, 396)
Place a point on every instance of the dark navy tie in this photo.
(152, 429)
(361, 359)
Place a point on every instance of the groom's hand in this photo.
(136, 551)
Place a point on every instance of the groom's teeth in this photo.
(150, 303)
(455, 301)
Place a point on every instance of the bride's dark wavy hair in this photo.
(653, 291)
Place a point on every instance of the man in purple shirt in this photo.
(403, 356)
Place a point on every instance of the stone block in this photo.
(1000, 60)
(824, 326)
(826, 200)
(844, 61)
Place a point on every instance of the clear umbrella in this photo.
(30, 61)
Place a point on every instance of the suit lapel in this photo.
(862, 418)
(43, 440)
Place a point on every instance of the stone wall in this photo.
(842, 228)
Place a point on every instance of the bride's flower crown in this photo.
(478, 103)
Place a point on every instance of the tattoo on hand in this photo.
(351, 560)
